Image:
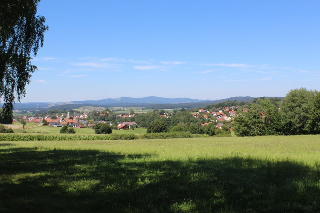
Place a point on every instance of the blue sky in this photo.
(197, 49)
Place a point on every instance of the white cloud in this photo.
(93, 65)
(239, 80)
(138, 62)
(151, 67)
(78, 76)
(44, 68)
(48, 58)
(229, 65)
(42, 81)
(112, 59)
(172, 62)
(207, 71)
(262, 79)
(304, 71)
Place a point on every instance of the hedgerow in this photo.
(167, 135)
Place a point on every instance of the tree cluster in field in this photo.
(66, 129)
(298, 113)
(102, 128)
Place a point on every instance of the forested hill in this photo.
(149, 102)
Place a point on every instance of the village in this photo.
(125, 121)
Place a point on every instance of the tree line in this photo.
(298, 113)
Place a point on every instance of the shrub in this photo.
(3, 129)
(179, 128)
(196, 128)
(102, 128)
(66, 129)
(157, 127)
(122, 137)
(167, 135)
(210, 129)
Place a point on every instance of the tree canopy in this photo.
(21, 36)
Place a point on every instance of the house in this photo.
(196, 115)
(219, 126)
(127, 125)
(122, 127)
(91, 125)
(205, 124)
(55, 124)
(214, 113)
(232, 113)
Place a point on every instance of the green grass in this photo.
(35, 128)
(258, 174)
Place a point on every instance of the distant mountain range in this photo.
(145, 100)
(151, 102)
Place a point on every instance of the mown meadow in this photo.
(213, 174)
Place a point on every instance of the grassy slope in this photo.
(269, 174)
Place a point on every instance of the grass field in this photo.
(257, 174)
(36, 128)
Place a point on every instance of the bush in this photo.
(66, 129)
(3, 129)
(157, 127)
(167, 135)
(102, 128)
(179, 128)
(122, 137)
(196, 128)
(210, 129)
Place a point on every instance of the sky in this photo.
(196, 49)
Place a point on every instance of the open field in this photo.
(257, 174)
(39, 128)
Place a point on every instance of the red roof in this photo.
(221, 119)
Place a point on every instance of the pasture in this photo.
(41, 129)
(256, 174)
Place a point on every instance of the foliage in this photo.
(157, 127)
(210, 129)
(315, 115)
(102, 128)
(296, 111)
(66, 129)
(167, 135)
(299, 113)
(223, 132)
(21, 35)
(249, 123)
(3, 129)
(123, 137)
(23, 122)
(213, 107)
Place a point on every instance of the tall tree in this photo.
(21, 36)
(315, 115)
(296, 111)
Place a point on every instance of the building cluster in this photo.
(219, 115)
